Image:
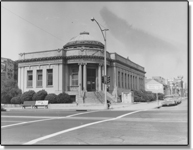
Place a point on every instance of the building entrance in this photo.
(91, 79)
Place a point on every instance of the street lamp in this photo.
(105, 57)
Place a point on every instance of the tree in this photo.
(9, 89)
(16, 100)
(27, 96)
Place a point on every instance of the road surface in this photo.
(164, 126)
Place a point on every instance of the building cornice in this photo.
(77, 57)
(40, 59)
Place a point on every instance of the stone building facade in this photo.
(77, 68)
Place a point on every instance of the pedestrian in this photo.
(108, 104)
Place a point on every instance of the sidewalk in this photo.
(138, 106)
(87, 107)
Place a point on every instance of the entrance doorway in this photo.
(91, 79)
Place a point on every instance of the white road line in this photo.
(45, 119)
(29, 117)
(75, 128)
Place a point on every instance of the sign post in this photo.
(155, 88)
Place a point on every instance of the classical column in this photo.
(131, 77)
(80, 77)
(133, 82)
(99, 77)
(84, 78)
(137, 82)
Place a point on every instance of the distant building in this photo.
(164, 83)
(77, 69)
(176, 85)
(8, 69)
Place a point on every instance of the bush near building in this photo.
(16, 100)
(27, 96)
(64, 98)
(40, 95)
(160, 96)
(52, 98)
(144, 96)
(9, 89)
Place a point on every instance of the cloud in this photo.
(136, 40)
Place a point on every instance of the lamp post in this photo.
(105, 57)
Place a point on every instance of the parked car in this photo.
(178, 99)
(169, 100)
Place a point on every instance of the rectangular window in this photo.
(29, 78)
(49, 77)
(74, 74)
(39, 78)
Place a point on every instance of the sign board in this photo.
(155, 88)
(43, 103)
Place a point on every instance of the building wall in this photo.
(62, 67)
(41, 65)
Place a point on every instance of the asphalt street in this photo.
(164, 126)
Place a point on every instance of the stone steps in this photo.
(96, 97)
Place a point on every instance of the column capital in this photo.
(100, 64)
(84, 63)
(80, 63)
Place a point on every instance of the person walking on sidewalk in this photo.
(108, 103)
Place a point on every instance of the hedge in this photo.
(27, 96)
(16, 100)
(52, 98)
(144, 96)
(40, 95)
(64, 98)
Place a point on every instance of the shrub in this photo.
(9, 89)
(40, 95)
(16, 100)
(64, 98)
(160, 96)
(27, 96)
(52, 98)
(144, 96)
(137, 99)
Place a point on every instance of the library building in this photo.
(77, 69)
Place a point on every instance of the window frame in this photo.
(38, 81)
(75, 80)
(47, 74)
(29, 73)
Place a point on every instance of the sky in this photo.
(151, 34)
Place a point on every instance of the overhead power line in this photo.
(32, 24)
